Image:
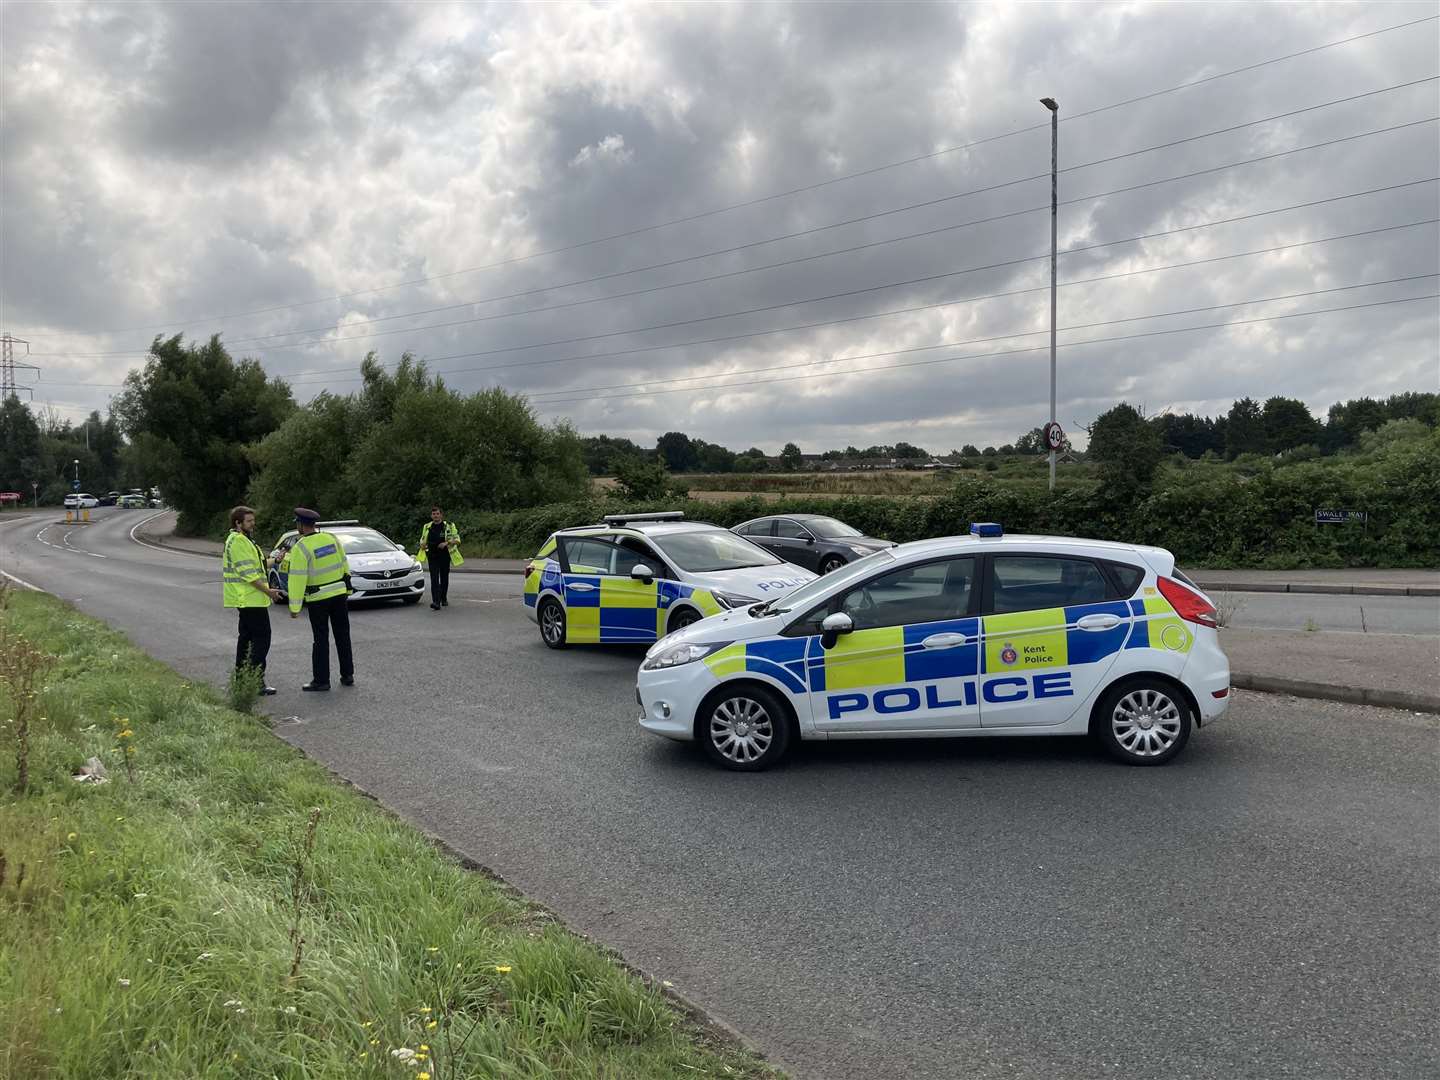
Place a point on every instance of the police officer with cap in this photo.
(320, 581)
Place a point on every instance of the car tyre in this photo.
(1143, 721)
(745, 728)
(682, 618)
(830, 564)
(552, 623)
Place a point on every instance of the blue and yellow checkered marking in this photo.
(619, 610)
(1156, 626)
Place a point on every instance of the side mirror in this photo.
(642, 573)
(834, 625)
(809, 539)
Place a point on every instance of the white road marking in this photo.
(20, 581)
(66, 541)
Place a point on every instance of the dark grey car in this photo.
(813, 541)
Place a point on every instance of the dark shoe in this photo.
(268, 691)
(444, 603)
(434, 606)
(347, 680)
(316, 686)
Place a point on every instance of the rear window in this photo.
(1184, 578)
(1127, 577)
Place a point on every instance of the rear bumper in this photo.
(1208, 676)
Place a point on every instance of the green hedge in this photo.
(1208, 516)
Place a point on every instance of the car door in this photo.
(911, 661)
(794, 543)
(603, 603)
(1053, 626)
(762, 533)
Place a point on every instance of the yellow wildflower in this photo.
(432, 1025)
(422, 1076)
(424, 1046)
(71, 836)
(425, 1010)
(503, 969)
(432, 948)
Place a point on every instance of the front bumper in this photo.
(668, 699)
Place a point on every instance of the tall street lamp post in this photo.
(1054, 107)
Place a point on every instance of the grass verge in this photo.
(227, 909)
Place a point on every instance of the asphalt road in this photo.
(982, 908)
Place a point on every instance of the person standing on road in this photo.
(245, 588)
(440, 550)
(320, 581)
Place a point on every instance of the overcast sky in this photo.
(286, 174)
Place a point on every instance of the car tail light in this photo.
(529, 569)
(1188, 604)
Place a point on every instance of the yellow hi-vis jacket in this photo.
(452, 535)
(318, 569)
(242, 565)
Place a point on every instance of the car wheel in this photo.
(831, 563)
(746, 729)
(681, 619)
(552, 623)
(1144, 721)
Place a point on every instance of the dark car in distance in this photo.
(813, 541)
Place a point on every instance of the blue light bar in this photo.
(985, 528)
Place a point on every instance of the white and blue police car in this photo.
(637, 577)
(973, 635)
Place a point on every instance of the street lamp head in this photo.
(1050, 103)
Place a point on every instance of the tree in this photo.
(1032, 442)
(1127, 447)
(642, 479)
(1189, 434)
(712, 458)
(906, 452)
(791, 456)
(970, 450)
(1244, 429)
(601, 452)
(1348, 420)
(21, 457)
(1007, 450)
(677, 451)
(406, 440)
(1288, 424)
(191, 413)
(989, 451)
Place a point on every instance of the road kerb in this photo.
(1351, 695)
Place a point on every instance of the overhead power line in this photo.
(817, 185)
(571, 391)
(846, 294)
(826, 228)
(332, 377)
(1008, 352)
(715, 277)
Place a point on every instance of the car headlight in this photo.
(416, 568)
(684, 653)
(734, 600)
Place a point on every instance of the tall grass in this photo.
(228, 910)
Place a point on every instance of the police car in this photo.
(963, 636)
(639, 577)
(380, 569)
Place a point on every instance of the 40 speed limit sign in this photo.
(1054, 435)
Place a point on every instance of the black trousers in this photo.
(439, 577)
(327, 617)
(253, 645)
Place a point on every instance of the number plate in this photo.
(388, 584)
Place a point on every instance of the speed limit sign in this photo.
(1054, 435)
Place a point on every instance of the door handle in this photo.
(580, 586)
(944, 641)
(1098, 622)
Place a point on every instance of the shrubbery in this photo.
(1261, 514)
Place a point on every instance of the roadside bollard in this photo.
(68, 516)
(86, 513)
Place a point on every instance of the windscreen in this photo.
(705, 551)
(363, 542)
(812, 592)
(829, 528)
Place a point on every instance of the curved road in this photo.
(1001, 908)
